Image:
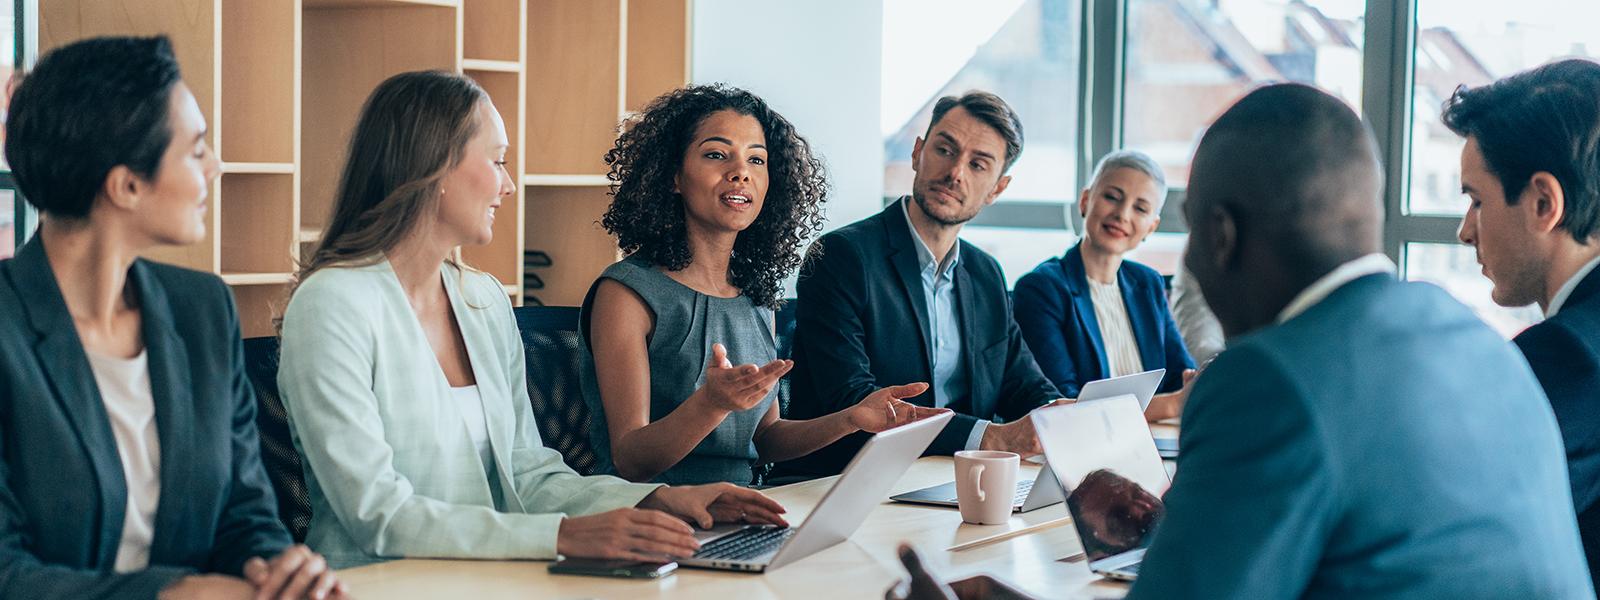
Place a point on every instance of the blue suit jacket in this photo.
(1383, 444)
(1564, 352)
(62, 491)
(1055, 311)
(862, 324)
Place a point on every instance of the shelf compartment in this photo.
(658, 50)
(492, 29)
(574, 65)
(259, 81)
(258, 228)
(564, 222)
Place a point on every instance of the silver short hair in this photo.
(1131, 159)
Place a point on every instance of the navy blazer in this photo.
(1055, 311)
(1564, 352)
(1385, 443)
(862, 324)
(62, 489)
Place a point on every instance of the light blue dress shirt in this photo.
(944, 325)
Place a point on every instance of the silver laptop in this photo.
(1032, 494)
(1106, 461)
(1141, 385)
(864, 483)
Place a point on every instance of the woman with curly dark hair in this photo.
(713, 196)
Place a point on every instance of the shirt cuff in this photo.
(975, 438)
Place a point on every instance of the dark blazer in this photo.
(1564, 352)
(1383, 444)
(1055, 311)
(62, 492)
(862, 324)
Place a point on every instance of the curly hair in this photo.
(648, 217)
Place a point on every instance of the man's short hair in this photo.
(990, 109)
(86, 108)
(1542, 120)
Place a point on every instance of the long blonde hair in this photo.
(413, 129)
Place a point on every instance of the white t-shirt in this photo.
(470, 403)
(125, 390)
(1122, 349)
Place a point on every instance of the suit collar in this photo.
(174, 406)
(902, 257)
(1078, 287)
(1580, 287)
(66, 365)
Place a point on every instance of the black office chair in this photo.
(550, 341)
(277, 450)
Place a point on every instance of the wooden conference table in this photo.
(1037, 552)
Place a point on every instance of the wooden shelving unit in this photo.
(281, 83)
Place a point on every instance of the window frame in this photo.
(25, 15)
(1388, 78)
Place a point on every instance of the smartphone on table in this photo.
(600, 567)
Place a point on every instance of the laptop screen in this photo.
(1102, 454)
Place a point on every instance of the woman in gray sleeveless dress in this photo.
(713, 195)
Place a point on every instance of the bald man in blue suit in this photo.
(1361, 437)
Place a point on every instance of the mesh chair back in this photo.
(277, 450)
(550, 341)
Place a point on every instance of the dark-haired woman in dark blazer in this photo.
(129, 463)
(1091, 314)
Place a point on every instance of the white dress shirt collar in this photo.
(1565, 292)
(1335, 279)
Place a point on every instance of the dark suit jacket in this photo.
(62, 492)
(1055, 311)
(1564, 352)
(1383, 444)
(862, 324)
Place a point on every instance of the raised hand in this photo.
(887, 409)
(735, 388)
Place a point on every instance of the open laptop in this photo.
(1106, 461)
(1141, 385)
(865, 481)
(1032, 494)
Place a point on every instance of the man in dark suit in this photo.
(1532, 170)
(898, 298)
(1361, 436)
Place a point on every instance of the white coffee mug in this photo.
(986, 485)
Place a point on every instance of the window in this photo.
(1026, 51)
(1471, 42)
(1188, 60)
(1474, 42)
(15, 215)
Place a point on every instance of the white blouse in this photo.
(470, 403)
(1121, 348)
(125, 390)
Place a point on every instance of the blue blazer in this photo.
(62, 492)
(1564, 352)
(1383, 444)
(862, 324)
(1055, 311)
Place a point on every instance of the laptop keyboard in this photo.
(746, 544)
(1023, 487)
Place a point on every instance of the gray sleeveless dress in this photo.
(687, 323)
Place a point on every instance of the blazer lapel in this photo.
(1083, 303)
(62, 358)
(903, 258)
(968, 310)
(1586, 289)
(176, 429)
(497, 417)
(1141, 318)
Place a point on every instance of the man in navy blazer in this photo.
(1361, 437)
(898, 298)
(1532, 171)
